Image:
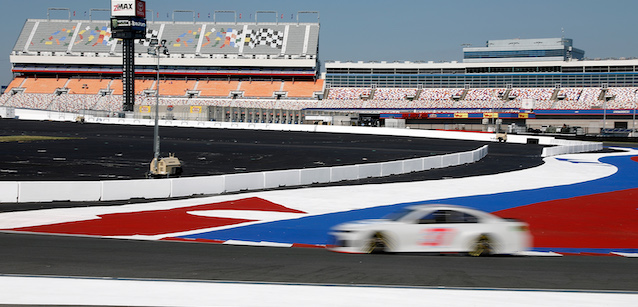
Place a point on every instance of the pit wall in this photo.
(45, 191)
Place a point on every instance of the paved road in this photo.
(73, 256)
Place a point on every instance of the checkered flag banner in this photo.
(150, 34)
(264, 37)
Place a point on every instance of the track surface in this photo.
(76, 256)
(72, 256)
(103, 152)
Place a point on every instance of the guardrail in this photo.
(567, 147)
(46, 191)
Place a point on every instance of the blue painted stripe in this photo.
(314, 229)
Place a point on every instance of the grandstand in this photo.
(76, 65)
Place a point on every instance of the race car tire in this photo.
(482, 246)
(378, 243)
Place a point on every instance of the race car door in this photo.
(441, 230)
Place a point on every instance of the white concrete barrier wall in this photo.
(566, 147)
(413, 165)
(314, 175)
(433, 162)
(138, 188)
(9, 192)
(276, 179)
(198, 185)
(391, 168)
(43, 191)
(369, 170)
(178, 187)
(346, 172)
(241, 182)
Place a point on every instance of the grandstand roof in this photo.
(456, 64)
(46, 41)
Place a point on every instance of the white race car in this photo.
(433, 228)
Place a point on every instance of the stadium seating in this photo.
(210, 88)
(142, 85)
(539, 94)
(39, 94)
(432, 94)
(302, 89)
(15, 83)
(260, 89)
(30, 101)
(394, 93)
(87, 86)
(175, 87)
(117, 87)
(348, 93)
(43, 85)
(622, 97)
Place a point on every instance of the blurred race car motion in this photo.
(433, 228)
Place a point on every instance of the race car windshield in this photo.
(395, 216)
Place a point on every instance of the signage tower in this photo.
(128, 22)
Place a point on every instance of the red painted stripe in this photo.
(605, 220)
(157, 222)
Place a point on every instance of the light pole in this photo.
(633, 122)
(156, 48)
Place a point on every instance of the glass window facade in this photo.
(487, 77)
(515, 54)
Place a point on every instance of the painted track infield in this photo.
(581, 203)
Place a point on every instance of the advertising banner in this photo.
(128, 8)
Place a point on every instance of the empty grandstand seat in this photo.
(15, 83)
(216, 88)
(117, 87)
(43, 85)
(142, 85)
(260, 88)
(175, 87)
(302, 89)
(87, 86)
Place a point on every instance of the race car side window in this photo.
(447, 217)
(461, 217)
(436, 217)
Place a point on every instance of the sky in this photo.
(375, 30)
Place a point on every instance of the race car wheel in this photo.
(378, 243)
(482, 247)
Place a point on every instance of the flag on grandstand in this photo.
(264, 37)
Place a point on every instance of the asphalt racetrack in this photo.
(105, 152)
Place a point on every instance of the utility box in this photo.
(395, 123)
(166, 167)
(7, 112)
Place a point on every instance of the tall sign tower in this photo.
(128, 22)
